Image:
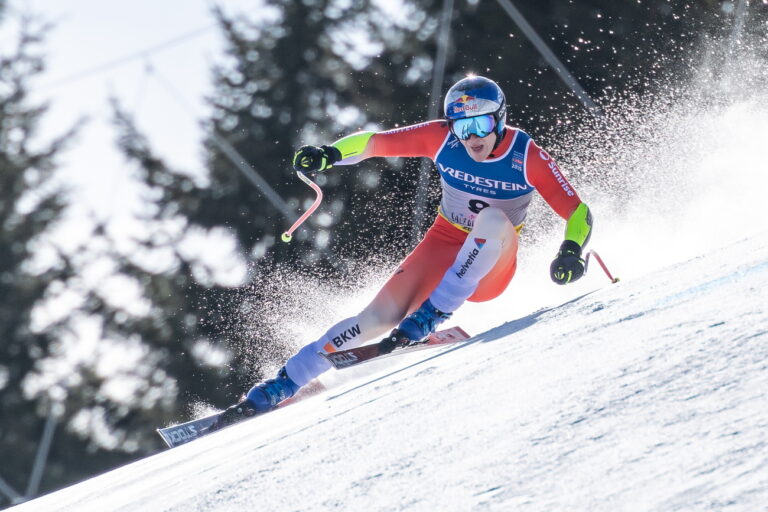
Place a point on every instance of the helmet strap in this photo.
(499, 137)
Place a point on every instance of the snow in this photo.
(650, 394)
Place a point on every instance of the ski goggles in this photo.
(482, 126)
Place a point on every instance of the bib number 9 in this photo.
(476, 205)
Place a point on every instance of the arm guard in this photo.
(579, 226)
(352, 147)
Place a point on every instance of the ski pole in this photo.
(288, 235)
(600, 261)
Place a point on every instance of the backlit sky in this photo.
(94, 52)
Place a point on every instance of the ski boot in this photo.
(262, 397)
(414, 328)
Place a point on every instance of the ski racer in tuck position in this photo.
(488, 173)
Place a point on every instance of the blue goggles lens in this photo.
(482, 126)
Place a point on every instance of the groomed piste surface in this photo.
(651, 394)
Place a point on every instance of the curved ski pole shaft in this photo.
(600, 261)
(288, 235)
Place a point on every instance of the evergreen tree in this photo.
(105, 361)
(190, 318)
(301, 77)
(278, 90)
(303, 72)
(313, 71)
(187, 296)
(32, 271)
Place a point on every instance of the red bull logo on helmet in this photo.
(465, 103)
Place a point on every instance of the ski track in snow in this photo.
(651, 394)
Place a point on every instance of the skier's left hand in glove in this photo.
(568, 266)
(313, 159)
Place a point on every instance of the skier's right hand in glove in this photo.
(313, 159)
(568, 266)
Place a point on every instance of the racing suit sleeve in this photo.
(543, 173)
(419, 140)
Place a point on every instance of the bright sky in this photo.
(100, 49)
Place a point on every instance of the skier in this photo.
(488, 174)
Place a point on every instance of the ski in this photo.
(183, 433)
(186, 432)
(355, 356)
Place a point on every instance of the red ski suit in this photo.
(422, 270)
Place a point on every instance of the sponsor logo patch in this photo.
(560, 179)
(462, 104)
(488, 183)
(182, 434)
(346, 336)
(462, 220)
(464, 108)
(518, 159)
(342, 360)
(556, 173)
(407, 128)
(465, 266)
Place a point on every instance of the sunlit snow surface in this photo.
(651, 394)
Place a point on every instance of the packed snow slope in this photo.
(651, 394)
